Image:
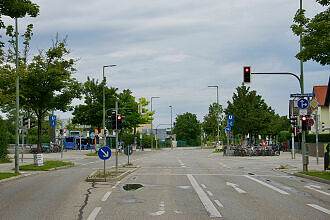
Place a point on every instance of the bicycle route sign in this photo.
(104, 153)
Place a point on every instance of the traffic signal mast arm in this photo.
(292, 74)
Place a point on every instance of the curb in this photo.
(312, 178)
(121, 176)
(34, 172)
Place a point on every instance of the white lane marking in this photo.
(268, 185)
(224, 165)
(181, 163)
(116, 185)
(94, 213)
(218, 203)
(106, 196)
(210, 208)
(203, 186)
(320, 208)
(235, 187)
(161, 209)
(314, 186)
(210, 193)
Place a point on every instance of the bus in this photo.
(73, 140)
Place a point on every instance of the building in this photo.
(322, 111)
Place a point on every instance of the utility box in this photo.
(38, 159)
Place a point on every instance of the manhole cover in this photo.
(132, 186)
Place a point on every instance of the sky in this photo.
(175, 49)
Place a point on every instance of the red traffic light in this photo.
(303, 118)
(119, 117)
(246, 74)
(247, 69)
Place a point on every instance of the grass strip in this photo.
(47, 165)
(7, 175)
(92, 154)
(319, 174)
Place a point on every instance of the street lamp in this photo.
(154, 97)
(171, 125)
(104, 81)
(217, 111)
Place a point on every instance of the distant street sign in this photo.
(230, 117)
(311, 122)
(92, 135)
(314, 103)
(302, 111)
(231, 123)
(104, 153)
(303, 103)
(52, 118)
(298, 95)
(53, 123)
(227, 129)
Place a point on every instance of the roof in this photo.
(328, 94)
(320, 94)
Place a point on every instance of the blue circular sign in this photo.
(227, 128)
(93, 135)
(302, 103)
(104, 153)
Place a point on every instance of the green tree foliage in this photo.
(211, 120)
(251, 114)
(188, 128)
(4, 140)
(315, 35)
(91, 112)
(18, 8)
(48, 83)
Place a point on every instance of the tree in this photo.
(188, 128)
(91, 112)
(315, 35)
(48, 84)
(251, 114)
(211, 120)
(4, 140)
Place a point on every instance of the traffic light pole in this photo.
(116, 137)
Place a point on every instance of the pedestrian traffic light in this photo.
(247, 74)
(31, 123)
(304, 123)
(24, 120)
(113, 120)
(119, 122)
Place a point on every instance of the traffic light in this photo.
(247, 74)
(119, 122)
(304, 123)
(31, 123)
(293, 121)
(113, 120)
(24, 121)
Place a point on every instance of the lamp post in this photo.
(104, 81)
(217, 111)
(171, 126)
(154, 97)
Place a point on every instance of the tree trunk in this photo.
(39, 133)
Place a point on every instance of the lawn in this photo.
(7, 175)
(92, 154)
(320, 174)
(47, 165)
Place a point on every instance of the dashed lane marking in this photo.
(218, 203)
(320, 208)
(106, 196)
(94, 213)
(267, 185)
(210, 208)
(312, 187)
(203, 186)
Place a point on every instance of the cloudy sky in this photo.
(174, 49)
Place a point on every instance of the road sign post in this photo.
(104, 154)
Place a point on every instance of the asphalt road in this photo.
(177, 184)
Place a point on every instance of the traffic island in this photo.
(47, 166)
(111, 175)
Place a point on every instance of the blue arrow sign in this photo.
(230, 117)
(92, 135)
(53, 123)
(227, 129)
(302, 103)
(104, 153)
(231, 123)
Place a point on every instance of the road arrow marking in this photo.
(94, 213)
(161, 209)
(235, 187)
(105, 154)
(106, 196)
(312, 187)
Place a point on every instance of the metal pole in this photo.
(22, 143)
(171, 127)
(317, 137)
(116, 138)
(292, 147)
(218, 115)
(152, 131)
(17, 102)
(103, 118)
(104, 172)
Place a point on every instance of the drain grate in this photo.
(132, 186)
